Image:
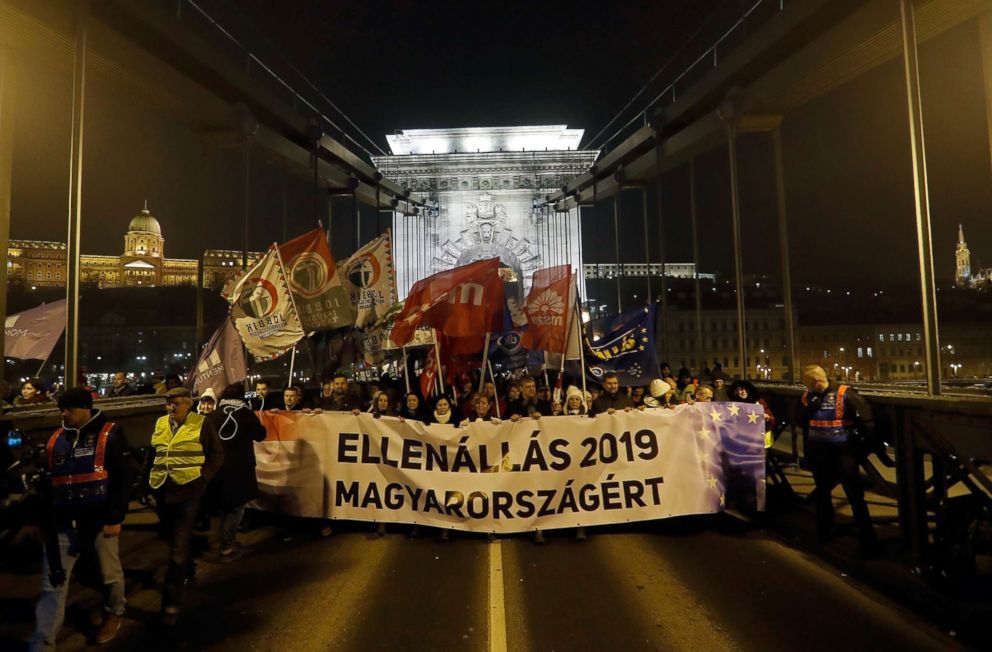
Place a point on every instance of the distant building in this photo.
(143, 263)
(962, 274)
(484, 188)
(672, 270)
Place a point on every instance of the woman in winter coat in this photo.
(412, 407)
(236, 484)
(382, 406)
(443, 413)
(574, 405)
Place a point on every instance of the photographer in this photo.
(89, 488)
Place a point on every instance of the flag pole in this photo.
(406, 370)
(485, 361)
(492, 376)
(582, 350)
(437, 361)
(547, 383)
(292, 363)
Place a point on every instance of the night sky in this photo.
(394, 65)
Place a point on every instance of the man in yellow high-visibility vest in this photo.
(188, 454)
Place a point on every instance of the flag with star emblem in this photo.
(730, 449)
(368, 277)
(623, 344)
(466, 301)
(313, 278)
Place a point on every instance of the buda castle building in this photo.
(962, 268)
(143, 263)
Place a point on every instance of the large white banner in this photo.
(553, 472)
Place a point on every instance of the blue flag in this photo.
(623, 344)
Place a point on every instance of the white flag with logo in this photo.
(33, 334)
(263, 310)
(369, 278)
(222, 362)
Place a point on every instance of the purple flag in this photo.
(222, 361)
(33, 334)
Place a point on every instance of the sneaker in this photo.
(287, 536)
(539, 537)
(580, 534)
(170, 615)
(108, 628)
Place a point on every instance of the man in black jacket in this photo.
(340, 399)
(90, 487)
(612, 399)
(236, 483)
(529, 404)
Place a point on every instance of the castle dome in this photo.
(145, 223)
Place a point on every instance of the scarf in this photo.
(442, 418)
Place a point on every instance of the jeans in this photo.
(50, 610)
(832, 462)
(177, 521)
(230, 519)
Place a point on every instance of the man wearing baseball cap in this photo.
(90, 486)
(188, 454)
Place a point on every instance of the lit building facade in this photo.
(630, 270)
(962, 267)
(142, 264)
(482, 186)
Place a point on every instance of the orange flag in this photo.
(549, 308)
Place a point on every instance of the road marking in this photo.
(497, 603)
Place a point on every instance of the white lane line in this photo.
(497, 603)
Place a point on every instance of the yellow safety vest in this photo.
(179, 456)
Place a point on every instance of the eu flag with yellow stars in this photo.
(623, 344)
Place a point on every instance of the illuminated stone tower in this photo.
(962, 257)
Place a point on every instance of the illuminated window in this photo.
(892, 338)
(881, 337)
(899, 337)
(861, 352)
(869, 352)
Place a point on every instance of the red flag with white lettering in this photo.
(549, 308)
(463, 301)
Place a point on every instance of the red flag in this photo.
(428, 377)
(463, 301)
(548, 308)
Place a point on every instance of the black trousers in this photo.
(836, 462)
(177, 520)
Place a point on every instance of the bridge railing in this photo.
(943, 460)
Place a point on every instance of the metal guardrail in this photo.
(943, 456)
(135, 414)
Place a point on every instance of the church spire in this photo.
(962, 260)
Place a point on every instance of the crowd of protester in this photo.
(510, 397)
(201, 461)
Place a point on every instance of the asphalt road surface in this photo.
(698, 583)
